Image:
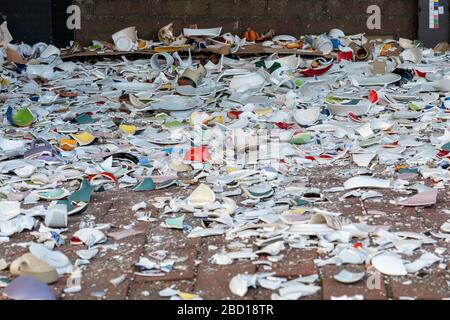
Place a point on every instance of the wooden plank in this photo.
(248, 50)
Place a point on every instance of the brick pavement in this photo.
(196, 275)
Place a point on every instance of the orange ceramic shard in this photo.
(67, 144)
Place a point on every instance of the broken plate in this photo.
(349, 277)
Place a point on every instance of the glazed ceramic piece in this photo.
(210, 33)
(307, 117)
(175, 223)
(446, 227)
(249, 82)
(22, 118)
(260, 191)
(9, 210)
(425, 261)
(29, 288)
(238, 286)
(84, 138)
(348, 277)
(336, 33)
(366, 182)
(413, 55)
(29, 265)
(56, 259)
(147, 184)
(376, 80)
(87, 254)
(56, 194)
(284, 38)
(424, 199)
(155, 61)
(135, 86)
(203, 90)
(364, 159)
(201, 197)
(358, 107)
(56, 216)
(389, 264)
(90, 236)
(176, 103)
(125, 39)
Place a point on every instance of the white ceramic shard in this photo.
(389, 264)
(238, 286)
(425, 261)
(413, 55)
(349, 277)
(272, 249)
(446, 227)
(363, 159)
(210, 33)
(90, 236)
(9, 210)
(56, 216)
(202, 196)
(365, 131)
(366, 182)
(307, 117)
(125, 39)
(87, 254)
(249, 82)
(56, 259)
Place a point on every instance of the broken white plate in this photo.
(90, 236)
(349, 277)
(238, 286)
(249, 82)
(388, 78)
(389, 264)
(307, 117)
(425, 261)
(366, 182)
(9, 210)
(363, 159)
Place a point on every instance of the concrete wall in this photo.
(101, 18)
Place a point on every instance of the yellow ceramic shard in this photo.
(187, 296)
(231, 169)
(297, 211)
(84, 138)
(263, 111)
(128, 129)
(67, 144)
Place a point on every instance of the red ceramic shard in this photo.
(317, 72)
(354, 117)
(199, 154)
(345, 56)
(373, 96)
(283, 125)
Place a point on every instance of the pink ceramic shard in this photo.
(428, 198)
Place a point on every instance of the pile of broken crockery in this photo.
(239, 136)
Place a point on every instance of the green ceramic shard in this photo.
(175, 223)
(84, 118)
(23, 118)
(446, 147)
(302, 138)
(146, 185)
